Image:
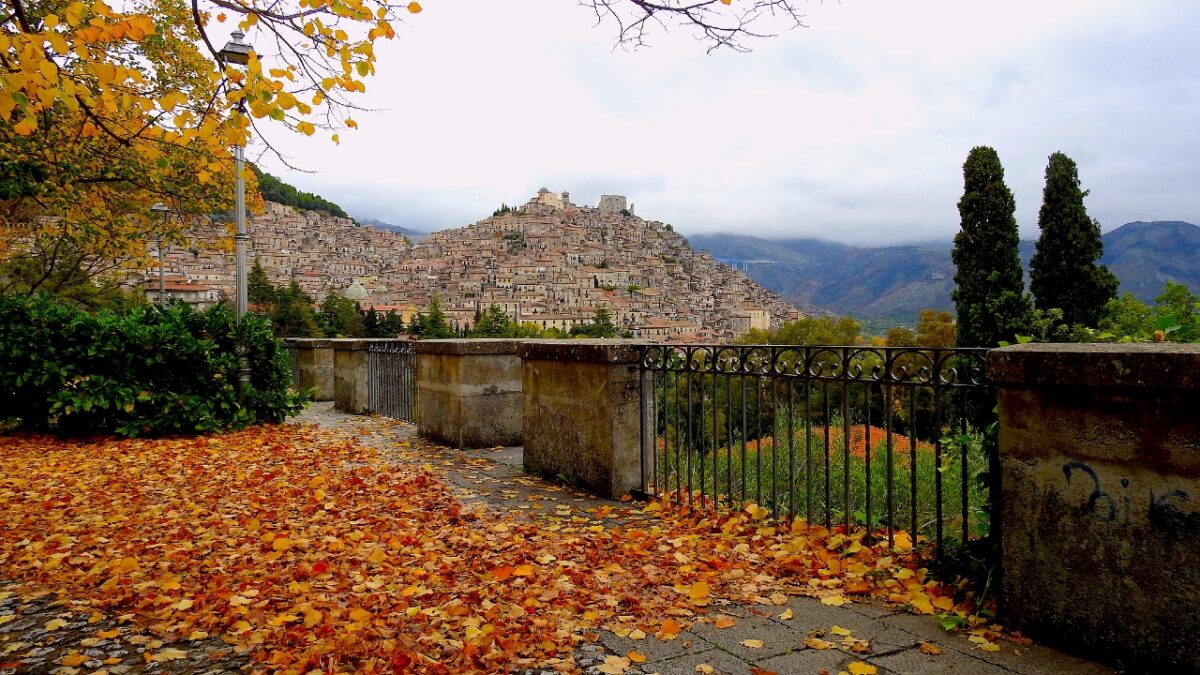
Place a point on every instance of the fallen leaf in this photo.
(929, 648)
(834, 600)
(817, 643)
(636, 656)
(55, 624)
(860, 668)
(725, 622)
(705, 669)
(786, 614)
(838, 630)
(752, 643)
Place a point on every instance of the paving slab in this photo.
(812, 662)
(653, 649)
(722, 663)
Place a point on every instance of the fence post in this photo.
(1100, 475)
(582, 413)
(470, 392)
(649, 419)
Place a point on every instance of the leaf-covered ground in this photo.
(306, 551)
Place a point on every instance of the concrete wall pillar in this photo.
(470, 392)
(314, 365)
(1100, 468)
(582, 413)
(350, 386)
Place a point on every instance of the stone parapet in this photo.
(470, 392)
(1100, 468)
(582, 414)
(314, 365)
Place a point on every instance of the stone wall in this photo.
(582, 410)
(1100, 466)
(470, 392)
(314, 366)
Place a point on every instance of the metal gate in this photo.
(392, 379)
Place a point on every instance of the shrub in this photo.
(151, 371)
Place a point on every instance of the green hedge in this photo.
(152, 371)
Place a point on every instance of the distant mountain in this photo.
(388, 227)
(1144, 256)
(893, 283)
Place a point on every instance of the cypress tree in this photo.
(989, 294)
(1063, 272)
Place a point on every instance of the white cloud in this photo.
(853, 129)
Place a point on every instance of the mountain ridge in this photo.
(895, 282)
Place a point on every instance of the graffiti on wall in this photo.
(1162, 509)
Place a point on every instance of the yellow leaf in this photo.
(699, 592)
(834, 600)
(726, 2)
(197, 635)
(786, 614)
(752, 643)
(637, 634)
(182, 604)
(414, 7)
(921, 604)
(636, 657)
(305, 128)
(929, 648)
(360, 616)
(817, 643)
(613, 665)
(377, 556)
(838, 630)
(725, 622)
(74, 659)
(523, 571)
(55, 624)
(311, 618)
(944, 603)
(990, 647)
(169, 654)
(6, 618)
(705, 669)
(108, 634)
(281, 544)
(860, 668)
(778, 598)
(50, 21)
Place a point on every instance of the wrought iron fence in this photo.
(889, 439)
(392, 379)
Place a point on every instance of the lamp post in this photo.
(237, 52)
(164, 213)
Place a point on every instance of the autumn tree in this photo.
(989, 294)
(935, 328)
(1063, 272)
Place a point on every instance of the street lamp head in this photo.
(236, 51)
(160, 209)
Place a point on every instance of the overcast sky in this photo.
(852, 129)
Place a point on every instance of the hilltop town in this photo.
(549, 262)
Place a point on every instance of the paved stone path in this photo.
(493, 478)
